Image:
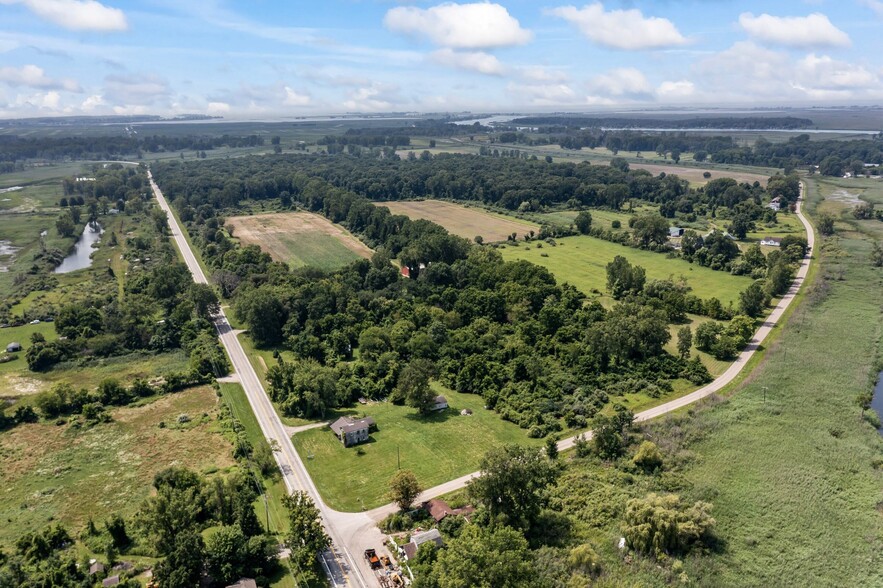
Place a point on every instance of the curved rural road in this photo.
(352, 533)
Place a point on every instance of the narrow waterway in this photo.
(81, 256)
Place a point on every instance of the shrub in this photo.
(648, 457)
(661, 525)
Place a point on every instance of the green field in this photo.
(582, 261)
(793, 479)
(436, 448)
(58, 473)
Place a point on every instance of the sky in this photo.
(262, 59)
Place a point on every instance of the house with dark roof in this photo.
(353, 431)
(439, 509)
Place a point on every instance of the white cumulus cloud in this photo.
(92, 102)
(33, 76)
(294, 98)
(814, 30)
(480, 25)
(875, 5)
(477, 61)
(676, 90)
(217, 108)
(77, 15)
(543, 94)
(621, 29)
(623, 81)
(536, 73)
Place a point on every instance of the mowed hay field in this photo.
(52, 472)
(299, 239)
(582, 261)
(462, 221)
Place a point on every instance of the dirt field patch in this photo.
(462, 221)
(695, 175)
(299, 239)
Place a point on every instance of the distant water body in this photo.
(877, 402)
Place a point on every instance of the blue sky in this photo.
(263, 58)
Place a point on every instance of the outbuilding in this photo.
(675, 232)
(13, 347)
(440, 403)
(771, 241)
(409, 550)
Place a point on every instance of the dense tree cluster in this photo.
(16, 148)
(535, 351)
(747, 122)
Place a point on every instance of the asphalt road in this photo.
(340, 565)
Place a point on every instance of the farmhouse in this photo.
(771, 241)
(439, 509)
(775, 203)
(13, 347)
(675, 231)
(409, 550)
(353, 431)
(440, 403)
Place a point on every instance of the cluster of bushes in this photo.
(724, 341)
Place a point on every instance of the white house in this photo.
(771, 241)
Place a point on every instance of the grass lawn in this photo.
(436, 448)
(61, 474)
(582, 261)
(796, 494)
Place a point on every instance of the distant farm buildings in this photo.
(353, 431)
(675, 232)
(771, 241)
(775, 203)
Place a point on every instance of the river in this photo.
(81, 256)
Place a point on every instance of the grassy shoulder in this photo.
(437, 448)
(793, 477)
(65, 474)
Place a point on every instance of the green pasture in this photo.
(582, 262)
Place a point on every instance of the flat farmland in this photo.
(461, 220)
(299, 239)
(582, 261)
(696, 175)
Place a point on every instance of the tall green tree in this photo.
(482, 557)
(513, 484)
(306, 536)
(404, 488)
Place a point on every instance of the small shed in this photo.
(244, 583)
(96, 568)
(111, 581)
(771, 241)
(353, 431)
(13, 347)
(775, 203)
(409, 550)
(675, 231)
(440, 403)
